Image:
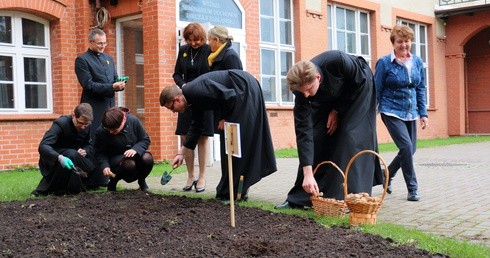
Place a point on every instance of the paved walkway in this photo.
(454, 185)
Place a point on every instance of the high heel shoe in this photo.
(187, 188)
(200, 189)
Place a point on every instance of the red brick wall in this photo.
(71, 20)
(21, 133)
(460, 29)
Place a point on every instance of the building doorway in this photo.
(130, 62)
(477, 61)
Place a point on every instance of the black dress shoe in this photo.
(143, 186)
(111, 186)
(389, 189)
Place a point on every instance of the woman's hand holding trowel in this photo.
(179, 157)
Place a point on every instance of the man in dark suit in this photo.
(97, 74)
(238, 97)
(66, 145)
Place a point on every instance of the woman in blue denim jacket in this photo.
(400, 85)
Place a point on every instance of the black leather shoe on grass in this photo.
(111, 186)
(413, 197)
(143, 186)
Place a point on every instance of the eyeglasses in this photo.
(172, 106)
(100, 44)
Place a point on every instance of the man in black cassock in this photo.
(237, 96)
(335, 118)
(65, 145)
(96, 73)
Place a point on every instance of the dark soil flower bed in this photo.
(137, 224)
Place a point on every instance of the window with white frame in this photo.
(348, 31)
(419, 48)
(276, 49)
(25, 68)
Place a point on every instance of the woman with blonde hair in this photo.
(223, 57)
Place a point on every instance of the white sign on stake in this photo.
(235, 134)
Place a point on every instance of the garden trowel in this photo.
(79, 171)
(166, 177)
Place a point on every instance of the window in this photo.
(276, 49)
(348, 31)
(24, 64)
(419, 48)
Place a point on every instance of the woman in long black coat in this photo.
(335, 118)
(238, 97)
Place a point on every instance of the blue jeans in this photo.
(404, 134)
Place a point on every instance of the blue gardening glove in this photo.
(65, 162)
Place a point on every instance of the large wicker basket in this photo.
(362, 211)
(328, 207)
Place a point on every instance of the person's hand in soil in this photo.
(309, 183)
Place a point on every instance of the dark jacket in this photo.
(181, 73)
(96, 73)
(133, 136)
(62, 135)
(347, 85)
(227, 59)
(239, 97)
(190, 64)
(64, 139)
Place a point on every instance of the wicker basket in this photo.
(328, 207)
(364, 212)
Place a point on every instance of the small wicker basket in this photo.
(364, 212)
(328, 207)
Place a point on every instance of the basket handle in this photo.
(331, 163)
(352, 161)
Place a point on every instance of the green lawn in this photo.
(18, 184)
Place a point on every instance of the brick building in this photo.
(40, 39)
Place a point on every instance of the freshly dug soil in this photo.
(133, 223)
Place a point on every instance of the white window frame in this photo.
(278, 48)
(418, 48)
(333, 30)
(18, 52)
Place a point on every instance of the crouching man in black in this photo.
(66, 145)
